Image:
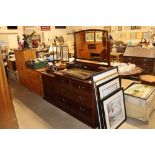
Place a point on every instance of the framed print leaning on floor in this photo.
(108, 87)
(113, 109)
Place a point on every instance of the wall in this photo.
(10, 36)
(126, 34)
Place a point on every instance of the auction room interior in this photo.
(77, 77)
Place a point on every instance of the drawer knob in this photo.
(82, 109)
(81, 98)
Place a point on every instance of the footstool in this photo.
(148, 79)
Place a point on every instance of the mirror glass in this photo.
(91, 45)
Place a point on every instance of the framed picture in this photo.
(45, 28)
(105, 89)
(119, 28)
(139, 90)
(104, 76)
(121, 36)
(98, 36)
(113, 110)
(133, 35)
(145, 35)
(60, 27)
(99, 79)
(107, 28)
(135, 27)
(65, 53)
(90, 37)
(139, 35)
(127, 36)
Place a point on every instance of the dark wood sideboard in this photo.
(72, 95)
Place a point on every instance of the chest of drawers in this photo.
(71, 95)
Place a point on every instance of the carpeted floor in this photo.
(33, 112)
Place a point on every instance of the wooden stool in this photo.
(148, 79)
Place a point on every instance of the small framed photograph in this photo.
(139, 35)
(113, 110)
(133, 35)
(105, 89)
(65, 54)
(127, 36)
(90, 37)
(98, 36)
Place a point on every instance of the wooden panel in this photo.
(34, 81)
(7, 113)
(147, 64)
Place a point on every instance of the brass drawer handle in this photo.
(81, 98)
(81, 87)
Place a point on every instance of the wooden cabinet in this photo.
(34, 81)
(49, 87)
(71, 95)
(7, 113)
(146, 64)
(21, 57)
(76, 97)
(27, 77)
(142, 57)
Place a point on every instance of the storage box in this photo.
(139, 101)
(35, 65)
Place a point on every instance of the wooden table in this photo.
(136, 72)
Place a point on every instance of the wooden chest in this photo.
(72, 95)
(142, 57)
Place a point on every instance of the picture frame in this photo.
(135, 27)
(107, 28)
(121, 36)
(89, 36)
(127, 36)
(98, 36)
(113, 110)
(60, 27)
(145, 35)
(104, 76)
(65, 54)
(98, 79)
(133, 35)
(139, 90)
(139, 35)
(105, 89)
(119, 28)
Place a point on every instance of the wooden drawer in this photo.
(34, 75)
(78, 97)
(76, 109)
(81, 86)
(63, 81)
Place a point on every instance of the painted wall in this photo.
(126, 34)
(10, 36)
